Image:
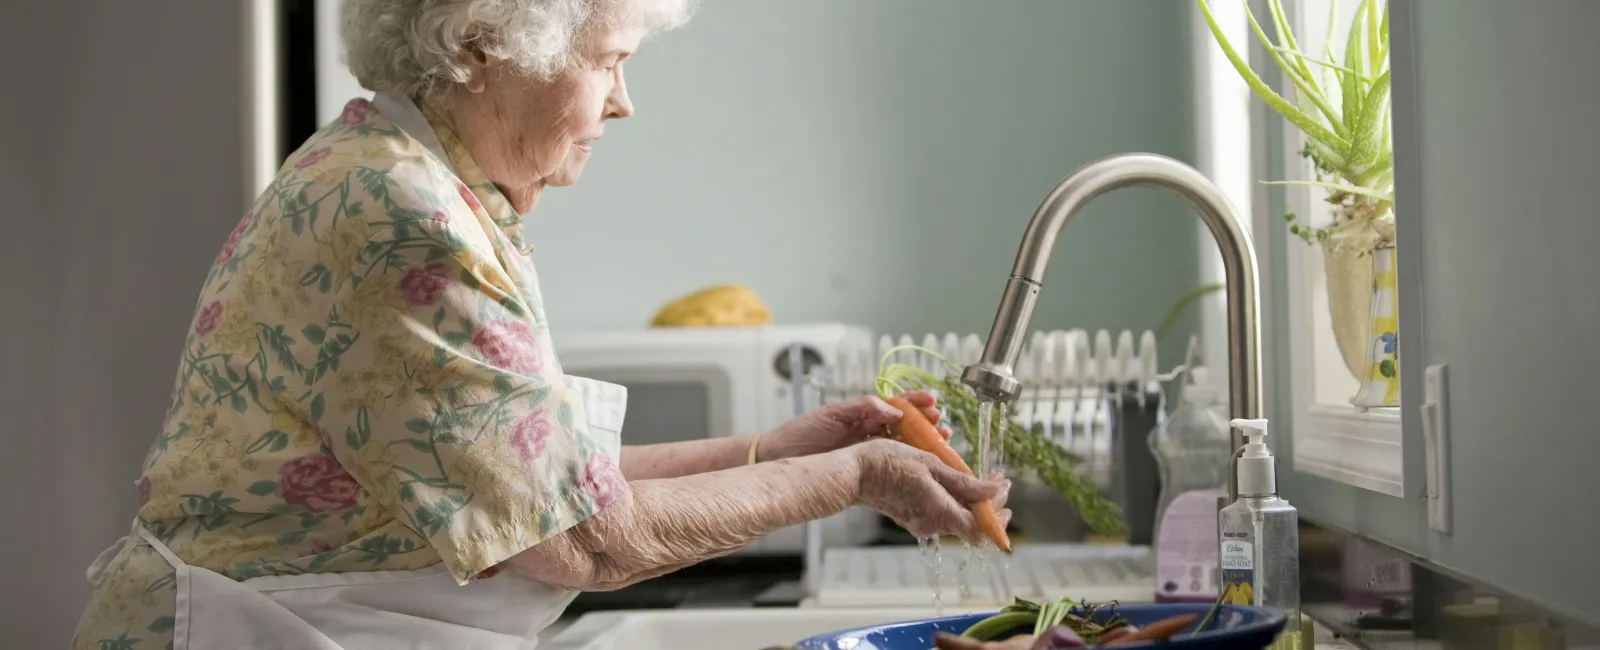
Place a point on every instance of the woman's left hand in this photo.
(840, 425)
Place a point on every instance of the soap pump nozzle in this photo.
(1256, 468)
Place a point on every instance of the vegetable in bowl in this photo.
(1063, 624)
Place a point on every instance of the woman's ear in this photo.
(476, 63)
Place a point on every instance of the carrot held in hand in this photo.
(915, 430)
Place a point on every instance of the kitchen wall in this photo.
(877, 162)
(1495, 142)
(122, 170)
(867, 161)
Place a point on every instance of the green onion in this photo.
(991, 628)
(1209, 616)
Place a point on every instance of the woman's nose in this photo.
(619, 105)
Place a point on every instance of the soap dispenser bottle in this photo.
(1260, 536)
(1193, 451)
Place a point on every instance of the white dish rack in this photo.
(1070, 381)
(1083, 388)
(898, 576)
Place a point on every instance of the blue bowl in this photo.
(1235, 627)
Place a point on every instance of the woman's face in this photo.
(527, 133)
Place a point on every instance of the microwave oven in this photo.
(693, 383)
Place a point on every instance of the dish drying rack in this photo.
(1097, 396)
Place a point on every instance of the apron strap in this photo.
(166, 553)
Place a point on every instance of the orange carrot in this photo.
(1161, 630)
(917, 431)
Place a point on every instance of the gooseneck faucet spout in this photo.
(993, 377)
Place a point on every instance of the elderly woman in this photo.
(370, 443)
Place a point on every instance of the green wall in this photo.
(876, 162)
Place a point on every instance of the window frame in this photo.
(1334, 441)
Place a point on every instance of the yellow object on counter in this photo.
(1299, 634)
(723, 305)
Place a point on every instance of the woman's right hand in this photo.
(922, 494)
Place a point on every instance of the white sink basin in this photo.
(722, 629)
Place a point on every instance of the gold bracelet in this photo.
(754, 441)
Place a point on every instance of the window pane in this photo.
(1333, 382)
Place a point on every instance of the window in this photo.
(1332, 439)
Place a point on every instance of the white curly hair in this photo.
(411, 47)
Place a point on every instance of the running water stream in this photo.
(989, 457)
(930, 560)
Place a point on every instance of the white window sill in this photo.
(1347, 445)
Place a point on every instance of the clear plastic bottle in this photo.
(1260, 544)
(1194, 453)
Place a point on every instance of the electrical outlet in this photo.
(1436, 444)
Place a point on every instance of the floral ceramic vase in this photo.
(1347, 274)
(1380, 377)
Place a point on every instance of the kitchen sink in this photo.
(722, 629)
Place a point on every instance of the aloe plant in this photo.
(1343, 110)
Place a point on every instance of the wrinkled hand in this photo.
(840, 425)
(922, 494)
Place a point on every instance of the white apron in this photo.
(376, 610)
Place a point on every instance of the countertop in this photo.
(731, 582)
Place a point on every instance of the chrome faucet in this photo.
(993, 378)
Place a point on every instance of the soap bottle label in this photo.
(1238, 569)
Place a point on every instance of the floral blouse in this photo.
(368, 384)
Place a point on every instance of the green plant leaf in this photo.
(1383, 180)
(1387, 122)
(1366, 137)
(1343, 187)
(1326, 64)
(1383, 32)
(1280, 22)
(1324, 154)
(1375, 41)
(1289, 111)
(1353, 59)
(1327, 38)
(1299, 76)
(1176, 312)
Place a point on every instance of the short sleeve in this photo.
(439, 391)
